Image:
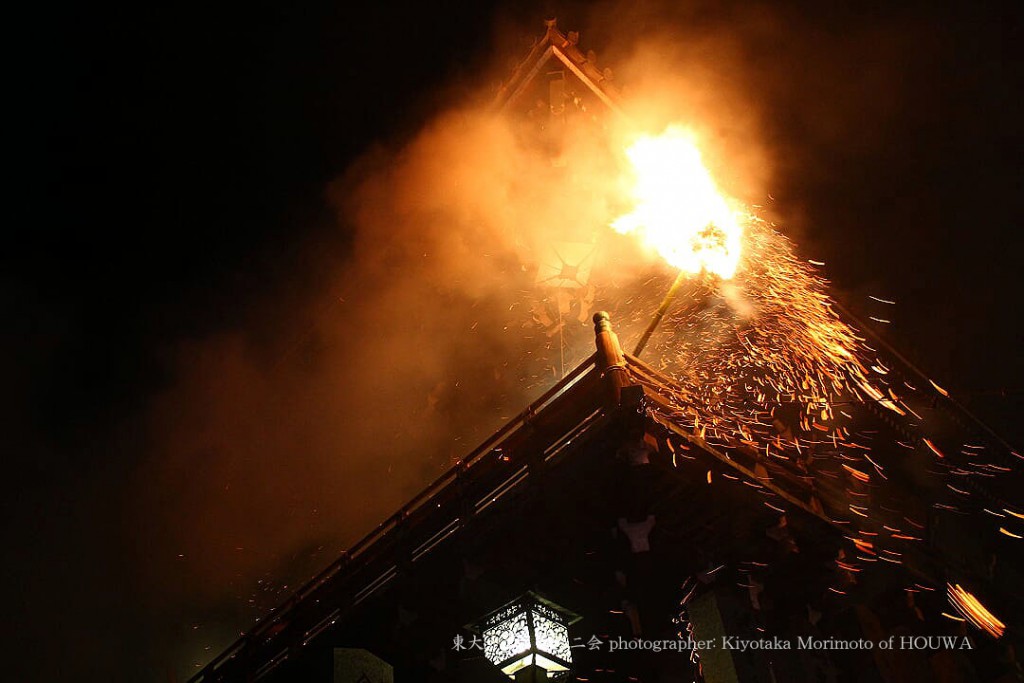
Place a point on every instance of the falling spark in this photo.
(971, 608)
(932, 447)
(861, 476)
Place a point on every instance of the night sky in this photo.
(170, 183)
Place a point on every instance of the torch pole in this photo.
(662, 310)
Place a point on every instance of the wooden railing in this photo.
(245, 648)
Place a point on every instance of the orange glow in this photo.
(974, 611)
(679, 210)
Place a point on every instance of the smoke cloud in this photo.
(267, 458)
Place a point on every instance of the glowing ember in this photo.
(679, 210)
(970, 607)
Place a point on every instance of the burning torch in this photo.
(680, 213)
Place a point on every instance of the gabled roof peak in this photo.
(563, 47)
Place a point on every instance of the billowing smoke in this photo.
(267, 458)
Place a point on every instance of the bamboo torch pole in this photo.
(662, 310)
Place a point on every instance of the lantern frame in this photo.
(528, 631)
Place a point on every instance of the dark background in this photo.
(168, 175)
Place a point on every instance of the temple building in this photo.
(601, 536)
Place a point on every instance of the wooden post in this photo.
(611, 362)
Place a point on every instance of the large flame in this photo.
(679, 210)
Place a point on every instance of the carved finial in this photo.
(551, 22)
(608, 357)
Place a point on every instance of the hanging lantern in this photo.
(529, 633)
